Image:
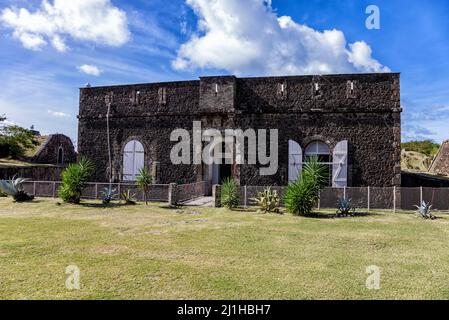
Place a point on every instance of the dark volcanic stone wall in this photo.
(368, 117)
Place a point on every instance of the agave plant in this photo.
(107, 194)
(14, 188)
(425, 211)
(268, 200)
(128, 197)
(344, 207)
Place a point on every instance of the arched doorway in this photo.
(133, 160)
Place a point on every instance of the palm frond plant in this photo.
(14, 188)
(425, 211)
(108, 194)
(229, 193)
(144, 180)
(74, 180)
(302, 195)
(267, 201)
(128, 197)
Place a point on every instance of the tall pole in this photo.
(108, 100)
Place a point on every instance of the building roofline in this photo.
(330, 75)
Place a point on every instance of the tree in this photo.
(14, 140)
(144, 180)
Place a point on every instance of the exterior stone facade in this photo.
(57, 150)
(362, 109)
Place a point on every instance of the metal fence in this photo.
(365, 197)
(157, 192)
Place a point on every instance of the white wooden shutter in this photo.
(133, 160)
(294, 160)
(340, 165)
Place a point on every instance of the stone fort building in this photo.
(351, 122)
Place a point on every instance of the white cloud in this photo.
(96, 21)
(58, 114)
(247, 37)
(90, 70)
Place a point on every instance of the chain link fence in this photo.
(94, 191)
(365, 197)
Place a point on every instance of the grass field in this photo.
(204, 253)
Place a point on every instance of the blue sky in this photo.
(44, 63)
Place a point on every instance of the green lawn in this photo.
(203, 253)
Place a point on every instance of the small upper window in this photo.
(216, 89)
(162, 93)
(282, 90)
(135, 97)
(317, 90)
(350, 89)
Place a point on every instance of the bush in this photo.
(229, 193)
(427, 147)
(74, 180)
(302, 195)
(144, 180)
(14, 188)
(268, 201)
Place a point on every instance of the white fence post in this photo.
(34, 188)
(245, 195)
(394, 199)
(420, 196)
(319, 200)
(54, 189)
(119, 189)
(369, 200)
(96, 191)
(344, 192)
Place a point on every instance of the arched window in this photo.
(322, 152)
(133, 160)
(60, 155)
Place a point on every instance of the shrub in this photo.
(302, 195)
(426, 147)
(144, 181)
(14, 188)
(425, 211)
(229, 193)
(344, 207)
(128, 197)
(268, 201)
(107, 194)
(74, 180)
